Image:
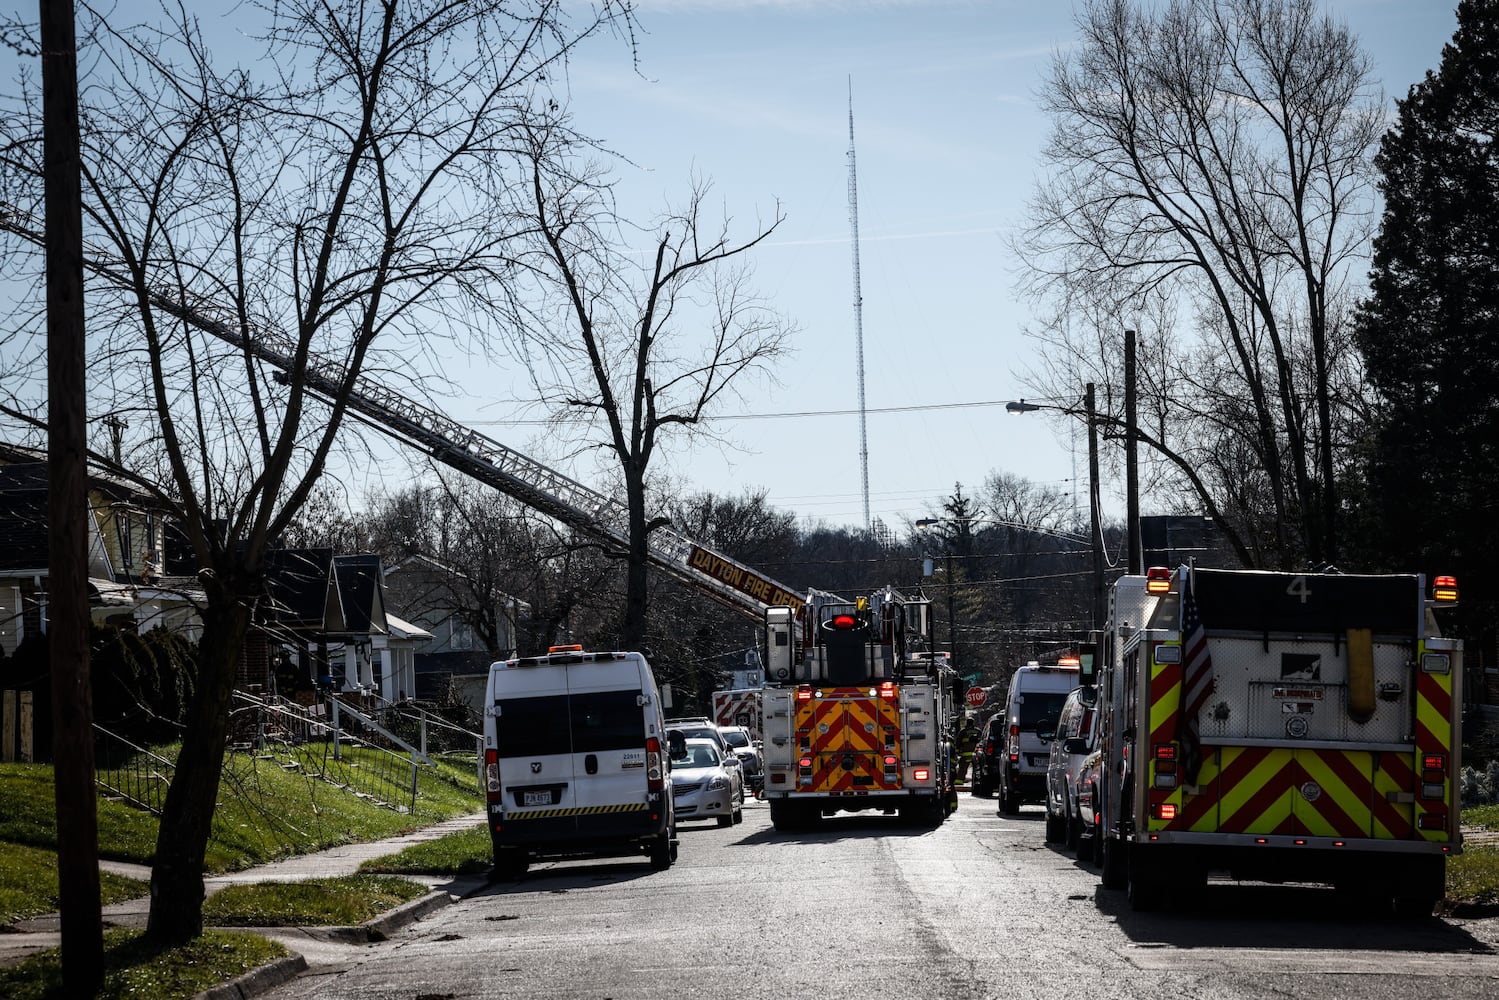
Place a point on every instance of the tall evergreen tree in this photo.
(1429, 333)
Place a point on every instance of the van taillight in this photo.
(989, 747)
(1014, 731)
(655, 777)
(492, 775)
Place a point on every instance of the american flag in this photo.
(1197, 680)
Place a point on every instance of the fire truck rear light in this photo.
(1436, 663)
(1338, 843)
(805, 763)
(1165, 810)
(1261, 840)
(803, 694)
(1165, 751)
(844, 622)
(1165, 780)
(1432, 821)
(1445, 589)
(777, 779)
(890, 760)
(920, 774)
(1299, 842)
(1157, 580)
(1434, 762)
(1168, 654)
(887, 690)
(1432, 791)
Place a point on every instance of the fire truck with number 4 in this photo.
(1280, 727)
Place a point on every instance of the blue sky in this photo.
(753, 95)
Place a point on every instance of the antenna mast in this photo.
(853, 222)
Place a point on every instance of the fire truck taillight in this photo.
(1165, 765)
(492, 775)
(1445, 590)
(804, 771)
(804, 693)
(1157, 580)
(887, 689)
(655, 774)
(844, 622)
(1433, 775)
(890, 761)
(920, 774)
(1164, 810)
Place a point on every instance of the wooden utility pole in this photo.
(1131, 460)
(67, 511)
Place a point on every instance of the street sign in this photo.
(976, 696)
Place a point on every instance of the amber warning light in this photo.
(1157, 580)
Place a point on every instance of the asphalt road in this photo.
(865, 907)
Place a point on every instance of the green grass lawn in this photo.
(345, 901)
(132, 970)
(265, 812)
(467, 852)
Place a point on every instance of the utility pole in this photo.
(67, 511)
(1131, 459)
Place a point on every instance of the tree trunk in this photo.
(177, 894)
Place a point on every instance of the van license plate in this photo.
(537, 798)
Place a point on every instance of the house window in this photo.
(461, 636)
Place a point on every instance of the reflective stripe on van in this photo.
(576, 811)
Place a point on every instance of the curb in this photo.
(256, 981)
(268, 977)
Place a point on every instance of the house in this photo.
(128, 581)
(453, 661)
(327, 626)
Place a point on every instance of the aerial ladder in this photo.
(474, 454)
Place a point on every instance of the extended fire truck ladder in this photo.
(474, 454)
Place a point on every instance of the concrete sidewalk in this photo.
(316, 947)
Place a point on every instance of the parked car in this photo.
(743, 746)
(1075, 738)
(984, 775)
(678, 730)
(1090, 809)
(704, 785)
(1031, 709)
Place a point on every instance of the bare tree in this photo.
(641, 345)
(1210, 158)
(264, 241)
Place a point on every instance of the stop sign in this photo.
(976, 696)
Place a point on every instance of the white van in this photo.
(1034, 703)
(575, 760)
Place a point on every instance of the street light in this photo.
(1095, 532)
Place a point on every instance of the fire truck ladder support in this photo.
(474, 454)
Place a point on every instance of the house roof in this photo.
(400, 628)
(360, 605)
(297, 581)
(23, 517)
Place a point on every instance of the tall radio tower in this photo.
(853, 222)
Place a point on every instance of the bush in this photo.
(1480, 787)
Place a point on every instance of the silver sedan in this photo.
(704, 786)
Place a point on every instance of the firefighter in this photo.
(968, 738)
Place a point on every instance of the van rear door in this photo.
(533, 738)
(608, 735)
